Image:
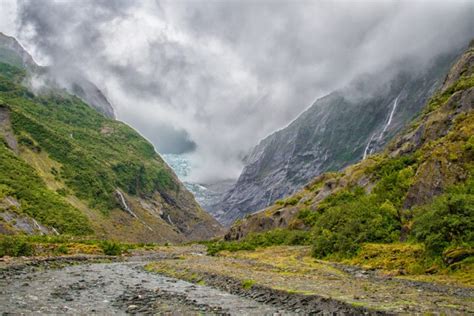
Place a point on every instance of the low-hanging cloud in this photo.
(213, 77)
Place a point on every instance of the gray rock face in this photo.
(337, 130)
(11, 52)
(89, 93)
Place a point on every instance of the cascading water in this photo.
(390, 117)
(366, 150)
(125, 206)
(371, 144)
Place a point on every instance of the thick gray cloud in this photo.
(214, 77)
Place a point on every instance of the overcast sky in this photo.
(212, 78)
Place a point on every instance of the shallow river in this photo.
(115, 288)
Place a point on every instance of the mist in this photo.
(212, 78)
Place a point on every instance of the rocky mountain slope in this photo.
(337, 130)
(419, 188)
(67, 169)
(11, 52)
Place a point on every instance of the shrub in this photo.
(448, 221)
(343, 227)
(15, 247)
(308, 216)
(248, 284)
(111, 248)
(62, 249)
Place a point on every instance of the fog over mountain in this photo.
(212, 78)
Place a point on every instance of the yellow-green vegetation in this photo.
(293, 269)
(248, 284)
(405, 260)
(289, 201)
(15, 246)
(399, 258)
(20, 180)
(253, 241)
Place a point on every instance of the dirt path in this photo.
(114, 288)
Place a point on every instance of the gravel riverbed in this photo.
(114, 288)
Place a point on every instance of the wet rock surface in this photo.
(113, 288)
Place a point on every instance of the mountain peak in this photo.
(13, 53)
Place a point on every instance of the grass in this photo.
(253, 241)
(18, 245)
(293, 270)
(11, 246)
(21, 181)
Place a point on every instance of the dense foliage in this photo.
(448, 221)
(348, 222)
(15, 247)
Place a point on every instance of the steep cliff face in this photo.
(67, 169)
(337, 130)
(12, 53)
(432, 157)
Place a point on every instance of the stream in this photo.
(115, 288)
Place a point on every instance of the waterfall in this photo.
(124, 204)
(38, 226)
(367, 147)
(367, 150)
(394, 107)
(169, 220)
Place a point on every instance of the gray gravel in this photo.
(115, 288)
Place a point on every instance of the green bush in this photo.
(111, 248)
(248, 284)
(62, 249)
(308, 216)
(448, 221)
(342, 229)
(15, 247)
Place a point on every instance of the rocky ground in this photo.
(184, 280)
(97, 286)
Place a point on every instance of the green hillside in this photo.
(67, 165)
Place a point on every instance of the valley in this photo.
(359, 203)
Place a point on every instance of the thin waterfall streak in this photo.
(390, 117)
(367, 147)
